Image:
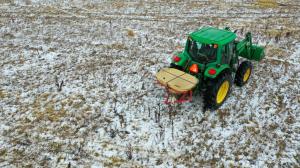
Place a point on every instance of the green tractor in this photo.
(211, 56)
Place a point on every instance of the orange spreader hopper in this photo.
(176, 81)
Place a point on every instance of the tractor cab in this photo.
(210, 45)
(208, 51)
(201, 52)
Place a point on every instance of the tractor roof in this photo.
(210, 35)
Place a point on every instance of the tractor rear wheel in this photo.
(243, 73)
(217, 91)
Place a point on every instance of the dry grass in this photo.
(6, 1)
(281, 147)
(267, 3)
(117, 46)
(3, 152)
(2, 94)
(130, 33)
(114, 161)
(118, 4)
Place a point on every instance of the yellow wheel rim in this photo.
(222, 92)
(246, 75)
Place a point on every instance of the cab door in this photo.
(227, 53)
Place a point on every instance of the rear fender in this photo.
(183, 59)
(219, 70)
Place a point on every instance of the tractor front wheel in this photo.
(243, 73)
(217, 91)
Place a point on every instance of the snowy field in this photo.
(77, 86)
